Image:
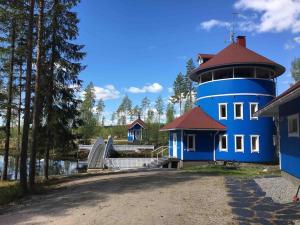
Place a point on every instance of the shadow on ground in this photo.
(250, 205)
(91, 193)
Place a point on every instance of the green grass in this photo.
(9, 191)
(219, 170)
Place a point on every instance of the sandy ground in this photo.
(159, 197)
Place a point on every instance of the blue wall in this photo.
(130, 136)
(171, 150)
(289, 146)
(253, 90)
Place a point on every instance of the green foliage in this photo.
(170, 113)
(180, 90)
(190, 66)
(160, 107)
(88, 129)
(124, 110)
(9, 191)
(100, 108)
(295, 70)
(145, 106)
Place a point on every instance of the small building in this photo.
(231, 86)
(135, 130)
(286, 111)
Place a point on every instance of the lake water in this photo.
(56, 167)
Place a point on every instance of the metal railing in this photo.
(159, 152)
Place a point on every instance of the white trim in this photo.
(235, 144)
(182, 145)
(194, 143)
(250, 104)
(242, 110)
(292, 117)
(181, 128)
(220, 143)
(220, 114)
(235, 94)
(131, 126)
(176, 144)
(257, 144)
(237, 78)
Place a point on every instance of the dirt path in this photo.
(161, 197)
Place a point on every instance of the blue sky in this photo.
(138, 47)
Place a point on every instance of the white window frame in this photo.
(235, 144)
(220, 114)
(292, 117)
(220, 143)
(242, 110)
(250, 107)
(257, 146)
(188, 142)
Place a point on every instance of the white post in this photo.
(181, 144)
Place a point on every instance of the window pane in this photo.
(239, 143)
(293, 125)
(191, 142)
(223, 142)
(238, 109)
(253, 109)
(223, 111)
(254, 143)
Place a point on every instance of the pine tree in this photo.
(145, 106)
(100, 108)
(190, 66)
(180, 90)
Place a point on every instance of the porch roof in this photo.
(194, 119)
(137, 121)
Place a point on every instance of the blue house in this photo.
(286, 111)
(232, 86)
(135, 130)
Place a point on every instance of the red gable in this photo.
(137, 121)
(194, 119)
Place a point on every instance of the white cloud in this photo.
(208, 25)
(151, 88)
(289, 45)
(297, 40)
(170, 90)
(106, 93)
(275, 15)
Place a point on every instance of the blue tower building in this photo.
(232, 86)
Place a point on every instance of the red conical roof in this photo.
(236, 54)
(194, 119)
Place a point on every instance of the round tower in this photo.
(232, 86)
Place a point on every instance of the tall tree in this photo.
(190, 66)
(295, 70)
(100, 108)
(37, 105)
(9, 93)
(124, 110)
(24, 148)
(87, 114)
(170, 113)
(180, 90)
(64, 56)
(145, 106)
(159, 106)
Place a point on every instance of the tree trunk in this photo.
(24, 147)
(50, 94)
(19, 123)
(37, 98)
(9, 100)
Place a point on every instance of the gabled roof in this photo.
(236, 54)
(194, 119)
(137, 121)
(272, 107)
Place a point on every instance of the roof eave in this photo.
(196, 129)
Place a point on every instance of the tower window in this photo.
(222, 111)
(238, 111)
(254, 143)
(223, 143)
(253, 109)
(239, 143)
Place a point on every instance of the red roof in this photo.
(236, 54)
(194, 119)
(137, 121)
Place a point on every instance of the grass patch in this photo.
(220, 170)
(9, 191)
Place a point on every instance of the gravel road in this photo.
(159, 197)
